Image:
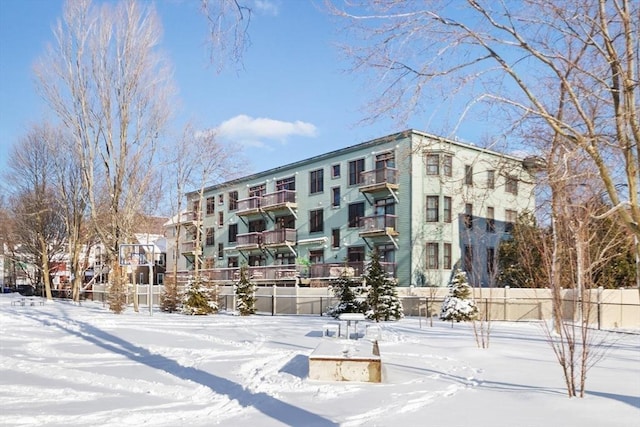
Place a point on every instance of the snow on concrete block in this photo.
(346, 360)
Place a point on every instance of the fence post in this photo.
(273, 300)
(506, 304)
(600, 288)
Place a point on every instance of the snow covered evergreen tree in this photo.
(382, 300)
(170, 300)
(347, 290)
(459, 304)
(198, 299)
(245, 293)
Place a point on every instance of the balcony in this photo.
(191, 219)
(378, 226)
(283, 199)
(378, 180)
(248, 241)
(249, 206)
(281, 237)
(190, 248)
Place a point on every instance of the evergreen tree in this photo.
(382, 299)
(197, 299)
(245, 293)
(169, 300)
(459, 304)
(347, 290)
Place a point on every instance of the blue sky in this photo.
(293, 99)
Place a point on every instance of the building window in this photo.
(468, 258)
(447, 209)
(233, 200)
(510, 217)
(491, 222)
(335, 171)
(233, 233)
(316, 181)
(288, 183)
(211, 205)
(335, 238)
(468, 215)
(433, 208)
(355, 254)
(160, 279)
(446, 256)
(220, 219)
(285, 221)
(232, 261)
(468, 174)
(316, 257)
(257, 226)
(511, 185)
(257, 190)
(285, 258)
(196, 207)
(220, 251)
(433, 164)
(356, 213)
(447, 165)
(491, 179)
(386, 160)
(210, 236)
(335, 197)
(257, 260)
(208, 263)
(221, 199)
(356, 167)
(316, 221)
(432, 255)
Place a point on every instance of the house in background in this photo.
(150, 235)
(425, 203)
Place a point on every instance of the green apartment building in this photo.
(425, 203)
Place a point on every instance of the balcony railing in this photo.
(290, 273)
(190, 217)
(188, 246)
(279, 237)
(278, 199)
(378, 178)
(378, 224)
(249, 205)
(249, 239)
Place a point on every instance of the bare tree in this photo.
(108, 85)
(572, 70)
(67, 179)
(38, 226)
(203, 161)
(228, 22)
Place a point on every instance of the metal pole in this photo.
(150, 287)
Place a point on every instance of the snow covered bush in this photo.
(245, 293)
(382, 299)
(198, 299)
(459, 304)
(347, 290)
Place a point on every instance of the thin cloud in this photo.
(245, 128)
(266, 7)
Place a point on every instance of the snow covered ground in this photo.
(68, 365)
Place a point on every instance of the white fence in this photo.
(605, 308)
